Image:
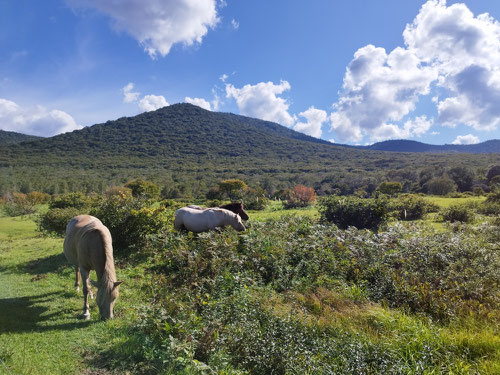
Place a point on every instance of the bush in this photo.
(300, 196)
(390, 187)
(440, 186)
(458, 212)
(131, 222)
(17, 204)
(409, 207)
(353, 211)
(143, 189)
(55, 220)
(76, 200)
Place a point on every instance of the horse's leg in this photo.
(77, 279)
(86, 288)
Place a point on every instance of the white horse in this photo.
(87, 246)
(196, 220)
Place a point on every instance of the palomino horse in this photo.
(196, 220)
(87, 246)
(235, 207)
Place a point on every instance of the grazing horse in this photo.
(87, 246)
(196, 220)
(235, 207)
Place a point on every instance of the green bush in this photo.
(76, 200)
(353, 211)
(458, 212)
(256, 203)
(409, 207)
(143, 189)
(54, 221)
(131, 222)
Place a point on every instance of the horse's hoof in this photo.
(85, 316)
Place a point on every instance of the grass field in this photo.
(39, 329)
(40, 332)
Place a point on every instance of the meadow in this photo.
(291, 295)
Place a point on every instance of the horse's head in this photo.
(242, 212)
(237, 223)
(106, 298)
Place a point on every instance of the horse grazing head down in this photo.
(107, 293)
(237, 224)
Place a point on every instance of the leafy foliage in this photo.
(458, 212)
(143, 189)
(390, 187)
(55, 220)
(409, 207)
(300, 196)
(353, 211)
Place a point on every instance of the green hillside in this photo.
(188, 147)
(8, 138)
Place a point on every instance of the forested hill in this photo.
(403, 145)
(7, 138)
(192, 148)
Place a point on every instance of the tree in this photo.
(492, 172)
(234, 188)
(390, 187)
(300, 196)
(440, 185)
(143, 189)
(463, 177)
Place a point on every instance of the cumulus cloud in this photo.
(158, 24)
(152, 102)
(446, 47)
(315, 119)
(262, 101)
(200, 102)
(235, 24)
(468, 139)
(129, 96)
(35, 121)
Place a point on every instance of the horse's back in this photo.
(86, 238)
(196, 220)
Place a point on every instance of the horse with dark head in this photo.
(236, 207)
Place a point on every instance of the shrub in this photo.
(300, 196)
(458, 212)
(131, 221)
(55, 220)
(390, 187)
(440, 186)
(17, 204)
(256, 203)
(143, 189)
(76, 200)
(38, 197)
(409, 207)
(353, 211)
(118, 191)
(234, 188)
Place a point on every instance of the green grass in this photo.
(444, 202)
(275, 211)
(39, 329)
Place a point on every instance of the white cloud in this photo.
(315, 119)
(128, 95)
(261, 101)
(158, 24)
(223, 77)
(35, 121)
(235, 24)
(331, 140)
(446, 46)
(200, 102)
(468, 139)
(152, 103)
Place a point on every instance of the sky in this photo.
(347, 71)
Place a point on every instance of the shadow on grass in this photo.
(50, 264)
(28, 314)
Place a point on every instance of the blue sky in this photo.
(352, 71)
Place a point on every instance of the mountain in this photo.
(191, 149)
(403, 145)
(8, 138)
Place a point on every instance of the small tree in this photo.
(234, 188)
(300, 196)
(143, 189)
(492, 172)
(390, 187)
(440, 185)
